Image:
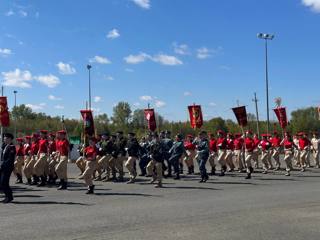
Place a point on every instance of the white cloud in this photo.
(204, 53)
(113, 34)
(109, 78)
(187, 94)
(181, 49)
(212, 104)
(167, 60)
(65, 69)
(4, 52)
(145, 4)
(9, 13)
(54, 98)
(136, 104)
(97, 110)
(146, 98)
(50, 80)
(135, 59)
(35, 107)
(97, 99)
(59, 107)
(100, 60)
(17, 78)
(313, 4)
(23, 13)
(159, 103)
(225, 67)
(129, 70)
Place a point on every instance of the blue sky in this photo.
(170, 53)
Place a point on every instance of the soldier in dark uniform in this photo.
(133, 154)
(144, 157)
(176, 152)
(8, 155)
(167, 143)
(202, 144)
(121, 144)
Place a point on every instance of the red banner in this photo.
(282, 116)
(4, 114)
(241, 115)
(196, 119)
(150, 116)
(88, 122)
(319, 112)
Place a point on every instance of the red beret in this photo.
(44, 131)
(19, 139)
(27, 137)
(220, 132)
(35, 135)
(190, 136)
(62, 132)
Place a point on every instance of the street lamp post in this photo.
(266, 37)
(89, 68)
(15, 117)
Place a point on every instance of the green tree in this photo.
(122, 115)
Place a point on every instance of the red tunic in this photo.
(34, 148)
(26, 149)
(265, 145)
(43, 146)
(256, 141)
(303, 143)
(249, 144)
(189, 146)
(90, 153)
(238, 143)
(287, 144)
(275, 142)
(230, 144)
(222, 143)
(52, 147)
(63, 147)
(213, 145)
(20, 151)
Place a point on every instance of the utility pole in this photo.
(255, 100)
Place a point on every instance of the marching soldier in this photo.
(27, 169)
(229, 152)
(121, 155)
(296, 154)
(203, 154)
(265, 146)
(275, 140)
(190, 153)
(213, 153)
(80, 162)
(62, 159)
(303, 147)
(256, 151)
(167, 144)
(8, 155)
(40, 165)
(238, 146)
(90, 155)
(133, 154)
(176, 152)
(144, 154)
(289, 146)
(52, 158)
(18, 164)
(315, 146)
(249, 146)
(34, 152)
(154, 167)
(222, 146)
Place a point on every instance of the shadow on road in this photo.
(50, 203)
(126, 194)
(193, 188)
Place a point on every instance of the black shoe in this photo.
(177, 177)
(201, 181)
(7, 200)
(251, 169)
(192, 169)
(120, 179)
(29, 182)
(222, 174)
(206, 178)
(248, 176)
(90, 190)
(43, 182)
(63, 185)
(213, 171)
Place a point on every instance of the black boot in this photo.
(213, 171)
(63, 185)
(35, 180)
(192, 169)
(248, 176)
(177, 177)
(90, 190)
(42, 182)
(29, 182)
(206, 178)
(223, 170)
(19, 179)
(189, 170)
(181, 168)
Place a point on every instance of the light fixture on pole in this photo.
(89, 68)
(266, 37)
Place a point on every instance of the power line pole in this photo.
(255, 100)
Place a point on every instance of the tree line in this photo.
(123, 118)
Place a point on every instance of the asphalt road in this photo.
(266, 207)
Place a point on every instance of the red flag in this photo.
(319, 112)
(241, 115)
(196, 119)
(282, 116)
(4, 114)
(150, 116)
(88, 122)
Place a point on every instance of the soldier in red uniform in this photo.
(34, 152)
(238, 151)
(90, 154)
(190, 153)
(62, 159)
(213, 153)
(229, 152)
(289, 146)
(249, 147)
(222, 148)
(275, 141)
(304, 144)
(18, 164)
(265, 146)
(27, 159)
(256, 150)
(42, 155)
